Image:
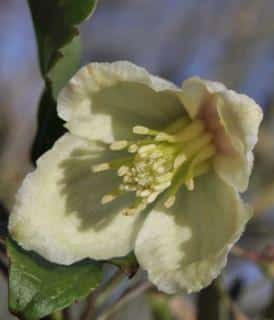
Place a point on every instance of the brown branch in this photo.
(98, 297)
(124, 299)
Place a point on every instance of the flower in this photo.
(145, 166)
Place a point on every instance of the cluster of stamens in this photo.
(161, 160)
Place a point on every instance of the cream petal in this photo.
(195, 91)
(186, 246)
(58, 211)
(105, 100)
(235, 170)
(240, 117)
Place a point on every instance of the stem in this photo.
(124, 299)
(97, 298)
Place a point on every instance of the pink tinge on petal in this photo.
(209, 114)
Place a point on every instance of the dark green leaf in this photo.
(38, 288)
(3, 221)
(59, 56)
(50, 126)
(65, 68)
(54, 23)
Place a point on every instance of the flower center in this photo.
(159, 161)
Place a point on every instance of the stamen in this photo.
(114, 164)
(162, 186)
(119, 145)
(145, 131)
(160, 170)
(195, 145)
(163, 160)
(152, 197)
(179, 160)
(164, 178)
(140, 130)
(177, 125)
(190, 184)
(162, 136)
(193, 130)
(108, 198)
(133, 148)
(146, 148)
(122, 171)
(204, 154)
(101, 167)
(136, 208)
(170, 201)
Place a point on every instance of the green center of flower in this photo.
(159, 161)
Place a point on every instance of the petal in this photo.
(240, 117)
(105, 100)
(195, 91)
(186, 246)
(58, 211)
(235, 170)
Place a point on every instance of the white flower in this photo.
(146, 166)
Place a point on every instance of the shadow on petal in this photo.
(84, 189)
(129, 104)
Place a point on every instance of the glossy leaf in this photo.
(38, 288)
(59, 56)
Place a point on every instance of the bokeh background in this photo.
(231, 41)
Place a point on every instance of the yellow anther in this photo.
(139, 205)
(152, 197)
(133, 148)
(189, 184)
(101, 167)
(140, 130)
(162, 136)
(119, 145)
(170, 201)
(108, 198)
(122, 171)
(144, 193)
(179, 160)
(146, 148)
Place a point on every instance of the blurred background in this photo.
(229, 41)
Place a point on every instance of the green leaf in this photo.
(50, 126)
(54, 22)
(3, 222)
(65, 68)
(38, 288)
(59, 56)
